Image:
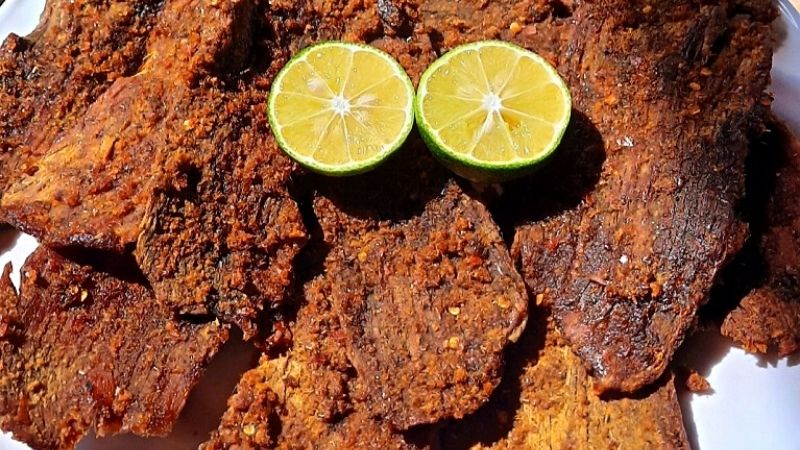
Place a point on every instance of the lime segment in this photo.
(340, 108)
(491, 110)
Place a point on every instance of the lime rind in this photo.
(467, 165)
(354, 167)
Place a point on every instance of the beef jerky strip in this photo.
(769, 316)
(626, 251)
(81, 350)
(417, 274)
(549, 402)
(211, 209)
(303, 398)
(391, 25)
(221, 232)
(90, 187)
(406, 323)
(424, 288)
(49, 79)
(183, 159)
(664, 92)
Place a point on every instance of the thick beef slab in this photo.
(548, 401)
(91, 188)
(627, 254)
(178, 161)
(221, 232)
(768, 318)
(424, 288)
(405, 324)
(303, 399)
(81, 350)
(49, 79)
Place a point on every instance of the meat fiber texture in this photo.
(424, 288)
(625, 231)
(622, 234)
(91, 188)
(308, 398)
(302, 399)
(83, 351)
(405, 323)
(547, 400)
(177, 162)
(638, 212)
(49, 79)
(768, 318)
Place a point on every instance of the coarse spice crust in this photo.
(768, 318)
(50, 78)
(421, 289)
(417, 297)
(547, 400)
(177, 161)
(82, 350)
(302, 399)
(640, 221)
(92, 187)
(403, 323)
(424, 288)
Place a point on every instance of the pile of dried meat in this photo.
(404, 308)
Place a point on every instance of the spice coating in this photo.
(639, 222)
(49, 79)
(81, 350)
(303, 399)
(424, 287)
(177, 161)
(769, 316)
(550, 402)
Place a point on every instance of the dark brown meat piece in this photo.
(768, 318)
(221, 233)
(179, 159)
(303, 399)
(624, 233)
(424, 288)
(405, 325)
(548, 401)
(81, 350)
(49, 79)
(625, 230)
(417, 299)
(90, 188)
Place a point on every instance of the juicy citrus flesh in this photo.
(493, 105)
(341, 108)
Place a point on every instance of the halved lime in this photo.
(492, 111)
(340, 108)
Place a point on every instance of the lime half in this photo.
(492, 111)
(340, 108)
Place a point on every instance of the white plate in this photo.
(755, 403)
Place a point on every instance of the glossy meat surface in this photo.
(626, 230)
(82, 350)
(49, 79)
